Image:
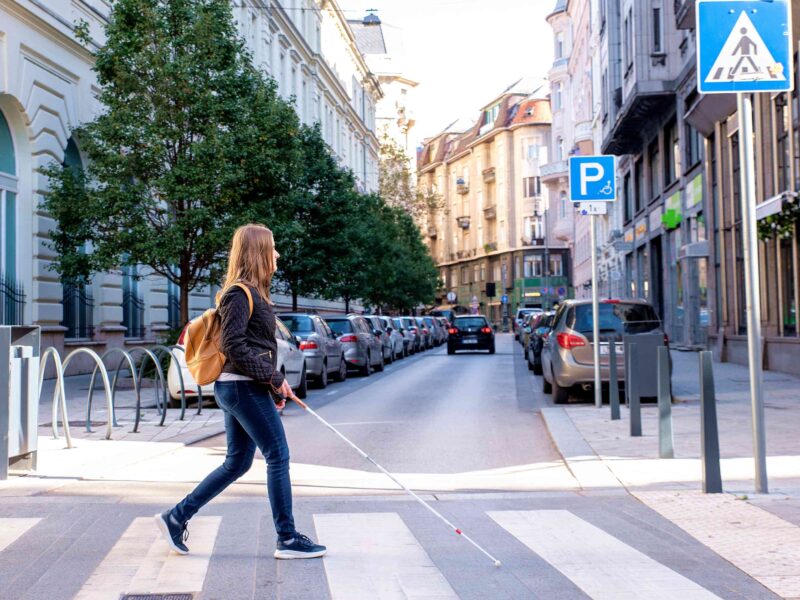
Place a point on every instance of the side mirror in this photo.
(389, 330)
(377, 332)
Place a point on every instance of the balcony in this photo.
(636, 116)
(553, 170)
(488, 175)
(583, 132)
(463, 222)
(684, 14)
(490, 247)
(462, 187)
(490, 212)
(532, 241)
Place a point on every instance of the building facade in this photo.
(47, 88)
(495, 229)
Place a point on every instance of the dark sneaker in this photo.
(175, 533)
(299, 547)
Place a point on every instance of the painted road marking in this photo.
(375, 555)
(365, 423)
(12, 529)
(604, 567)
(141, 562)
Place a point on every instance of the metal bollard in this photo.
(709, 434)
(613, 381)
(665, 444)
(634, 399)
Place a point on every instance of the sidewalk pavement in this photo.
(760, 534)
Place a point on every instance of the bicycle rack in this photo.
(109, 401)
(161, 350)
(162, 407)
(58, 391)
(126, 357)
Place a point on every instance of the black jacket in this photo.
(249, 343)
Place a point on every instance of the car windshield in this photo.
(524, 311)
(340, 326)
(618, 317)
(298, 324)
(470, 322)
(429, 320)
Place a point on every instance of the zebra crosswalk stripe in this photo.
(141, 562)
(375, 555)
(11, 529)
(604, 567)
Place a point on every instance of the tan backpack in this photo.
(204, 357)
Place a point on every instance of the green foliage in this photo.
(396, 182)
(780, 225)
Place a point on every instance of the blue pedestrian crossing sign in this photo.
(592, 178)
(744, 46)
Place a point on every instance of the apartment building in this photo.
(496, 225)
(47, 88)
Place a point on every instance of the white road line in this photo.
(365, 423)
(601, 565)
(12, 529)
(141, 562)
(331, 393)
(374, 555)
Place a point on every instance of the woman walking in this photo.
(243, 394)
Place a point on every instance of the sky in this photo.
(464, 53)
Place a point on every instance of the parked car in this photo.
(447, 313)
(417, 340)
(567, 353)
(290, 361)
(525, 332)
(437, 333)
(425, 332)
(470, 332)
(408, 336)
(379, 331)
(396, 337)
(516, 324)
(540, 329)
(445, 326)
(362, 350)
(324, 353)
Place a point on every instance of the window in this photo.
(604, 93)
(556, 265)
(559, 148)
(782, 128)
(638, 191)
(655, 188)
(658, 45)
(557, 96)
(627, 197)
(483, 272)
(533, 266)
(628, 41)
(490, 115)
(559, 50)
(537, 228)
(693, 145)
(532, 187)
(132, 304)
(671, 152)
(562, 209)
(464, 275)
(173, 306)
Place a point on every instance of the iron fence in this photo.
(12, 301)
(133, 315)
(78, 312)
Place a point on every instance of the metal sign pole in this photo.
(598, 390)
(752, 281)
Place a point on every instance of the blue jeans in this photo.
(251, 420)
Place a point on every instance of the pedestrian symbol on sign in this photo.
(744, 57)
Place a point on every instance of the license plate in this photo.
(604, 349)
(470, 341)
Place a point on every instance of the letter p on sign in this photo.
(592, 178)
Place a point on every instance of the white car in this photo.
(290, 360)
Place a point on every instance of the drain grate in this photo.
(157, 597)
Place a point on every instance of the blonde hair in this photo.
(251, 260)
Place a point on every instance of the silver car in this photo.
(413, 331)
(567, 353)
(324, 353)
(425, 332)
(362, 350)
(407, 335)
(395, 335)
(294, 365)
(438, 333)
(379, 330)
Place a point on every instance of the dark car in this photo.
(540, 329)
(470, 332)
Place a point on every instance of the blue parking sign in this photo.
(744, 46)
(504, 299)
(592, 178)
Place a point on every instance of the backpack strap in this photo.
(249, 296)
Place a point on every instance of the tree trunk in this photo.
(347, 304)
(184, 287)
(294, 300)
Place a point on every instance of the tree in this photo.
(396, 181)
(190, 142)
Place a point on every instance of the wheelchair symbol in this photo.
(607, 190)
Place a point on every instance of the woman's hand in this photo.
(286, 390)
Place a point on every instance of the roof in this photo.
(561, 6)
(369, 34)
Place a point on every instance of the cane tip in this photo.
(497, 563)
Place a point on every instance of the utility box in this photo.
(645, 371)
(19, 397)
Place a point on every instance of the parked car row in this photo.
(559, 345)
(320, 348)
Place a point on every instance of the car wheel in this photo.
(391, 356)
(302, 389)
(322, 382)
(342, 374)
(537, 368)
(525, 353)
(451, 350)
(366, 370)
(560, 394)
(491, 348)
(381, 364)
(547, 387)
(530, 365)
